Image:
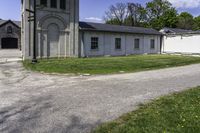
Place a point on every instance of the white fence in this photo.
(186, 44)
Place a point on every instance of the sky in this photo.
(93, 10)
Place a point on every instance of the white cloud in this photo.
(93, 19)
(185, 3)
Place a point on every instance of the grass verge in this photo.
(177, 113)
(110, 65)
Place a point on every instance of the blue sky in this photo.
(93, 10)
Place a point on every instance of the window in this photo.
(94, 43)
(9, 29)
(117, 43)
(63, 4)
(152, 44)
(53, 3)
(137, 44)
(43, 3)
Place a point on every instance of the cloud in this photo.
(93, 19)
(185, 3)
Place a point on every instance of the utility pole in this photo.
(33, 18)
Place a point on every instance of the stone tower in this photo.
(57, 28)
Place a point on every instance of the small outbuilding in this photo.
(98, 39)
(10, 34)
(180, 41)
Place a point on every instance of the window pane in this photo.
(43, 3)
(9, 29)
(117, 43)
(137, 43)
(63, 4)
(152, 43)
(53, 3)
(94, 43)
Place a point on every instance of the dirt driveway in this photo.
(37, 103)
(10, 55)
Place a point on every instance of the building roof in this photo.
(17, 23)
(2, 21)
(177, 31)
(88, 26)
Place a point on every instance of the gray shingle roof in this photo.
(175, 31)
(18, 23)
(3, 21)
(88, 26)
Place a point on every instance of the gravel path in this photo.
(37, 103)
(9, 55)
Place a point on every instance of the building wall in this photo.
(15, 33)
(51, 22)
(107, 44)
(181, 44)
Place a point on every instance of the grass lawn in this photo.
(109, 65)
(177, 113)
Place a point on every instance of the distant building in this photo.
(180, 41)
(60, 34)
(10, 34)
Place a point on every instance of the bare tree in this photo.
(116, 13)
(136, 13)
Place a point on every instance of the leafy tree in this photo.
(161, 14)
(169, 18)
(185, 21)
(156, 8)
(157, 14)
(197, 23)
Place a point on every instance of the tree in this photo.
(116, 14)
(169, 18)
(113, 21)
(136, 14)
(185, 21)
(161, 14)
(157, 14)
(157, 8)
(197, 23)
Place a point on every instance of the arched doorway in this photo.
(53, 40)
(9, 43)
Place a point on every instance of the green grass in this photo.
(110, 65)
(178, 113)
